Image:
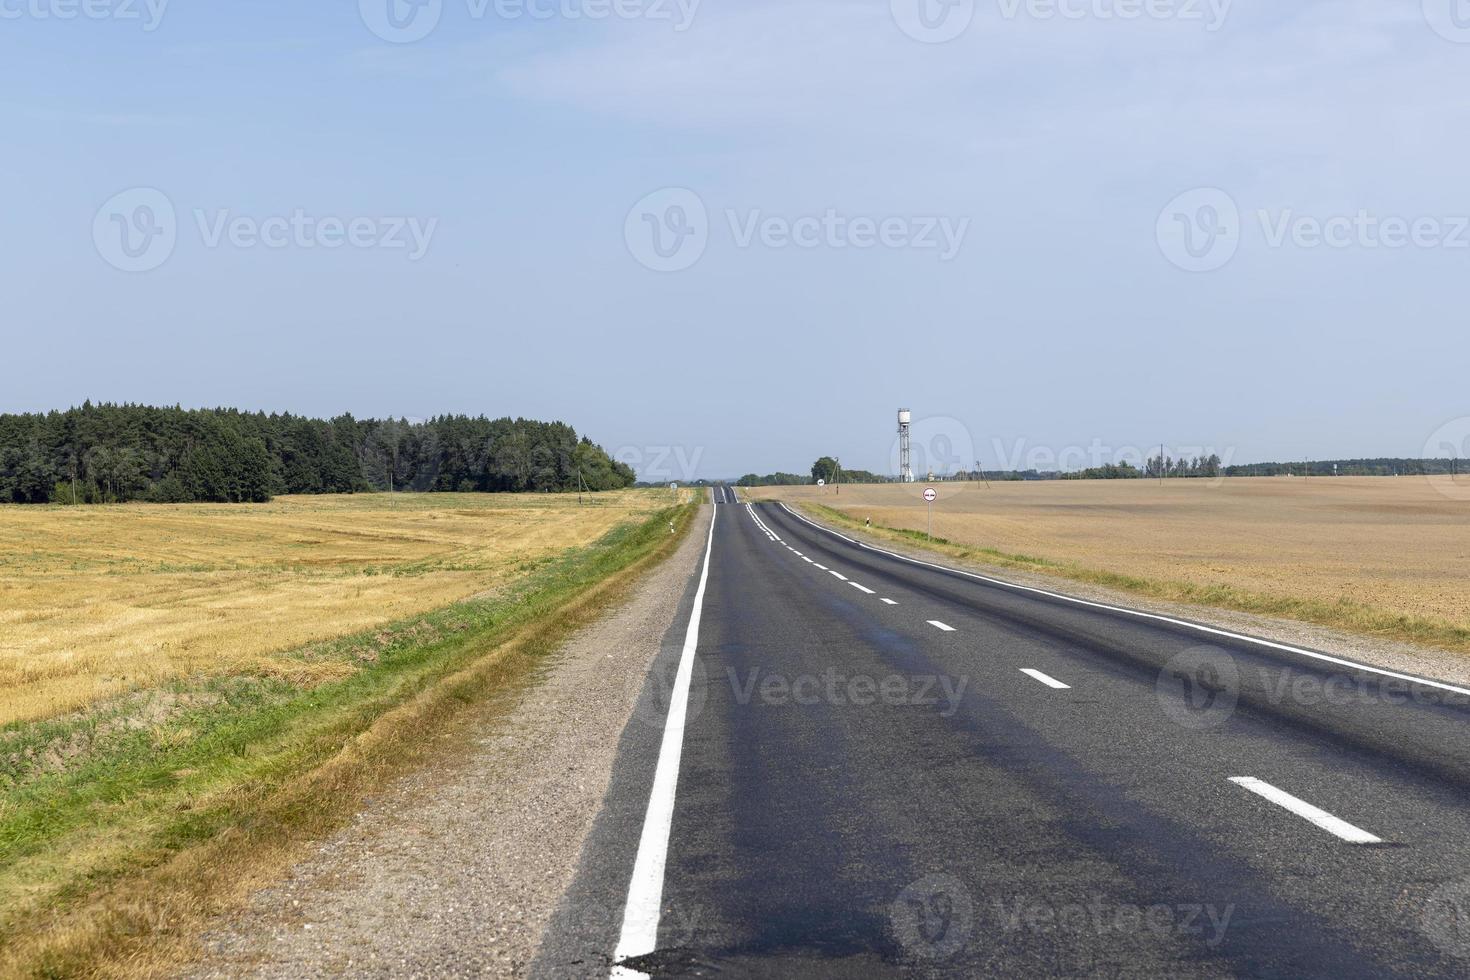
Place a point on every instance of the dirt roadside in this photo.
(457, 869)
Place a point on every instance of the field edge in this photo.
(139, 919)
(1346, 614)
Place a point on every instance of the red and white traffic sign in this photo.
(931, 495)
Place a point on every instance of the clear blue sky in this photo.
(524, 143)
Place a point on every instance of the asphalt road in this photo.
(880, 768)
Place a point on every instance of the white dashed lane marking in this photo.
(1320, 818)
(941, 626)
(1050, 682)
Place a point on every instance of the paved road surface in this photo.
(886, 769)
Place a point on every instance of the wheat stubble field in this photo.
(193, 694)
(1381, 556)
(99, 600)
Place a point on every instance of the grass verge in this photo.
(1345, 613)
(112, 859)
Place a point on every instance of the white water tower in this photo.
(905, 460)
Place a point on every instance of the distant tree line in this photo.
(114, 453)
(826, 469)
(1387, 466)
(773, 480)
(1160, 466)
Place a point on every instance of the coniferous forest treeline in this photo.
(116, 453)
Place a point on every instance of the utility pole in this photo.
(392, 466)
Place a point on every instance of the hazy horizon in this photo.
(739, 236)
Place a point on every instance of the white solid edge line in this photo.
(889, 602)
(941, 626)
(1049, 681)
(1271, 644)
(1305, 810)
(645, 889)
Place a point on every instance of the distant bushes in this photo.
(115, 453)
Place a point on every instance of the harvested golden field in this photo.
(1384, 556)
(99, 600)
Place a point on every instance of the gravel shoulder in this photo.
(457, 869)
(1386, 654)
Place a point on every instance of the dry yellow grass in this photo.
(99, 600)
(1397, 547)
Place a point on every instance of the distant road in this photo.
(847, 763)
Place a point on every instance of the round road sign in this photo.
(821, 483)
(931, 495)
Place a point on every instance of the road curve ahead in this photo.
(846, 763)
